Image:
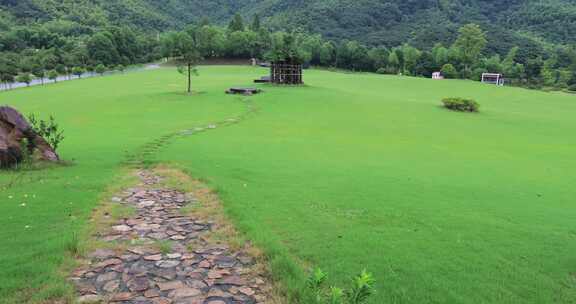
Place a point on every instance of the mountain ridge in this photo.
(374, 22)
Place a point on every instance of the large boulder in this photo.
(14, 128)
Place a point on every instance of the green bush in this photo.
(381, 71)
(100, 69)
(461, 104)
(449, 71)
(48, 129)
(572, 88)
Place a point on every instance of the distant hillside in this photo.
(374, 22)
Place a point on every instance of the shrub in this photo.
(121, 68)
(49, 130)
(572, 88)
(53, 75)
(381, 71)
(362, 287)
(24, 78)
(449, 71)
(100, 69)
(461, 104)
(78, 71)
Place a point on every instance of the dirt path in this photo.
(160, 255)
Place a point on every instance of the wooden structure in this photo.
(286, 72)
(493, 78)
(263, 79)
(437, 76)
(243, 91)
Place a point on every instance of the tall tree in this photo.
(256, 26)
(393, 61)
(102, 49)
(236, 24)
(184, 49)
(470, 43)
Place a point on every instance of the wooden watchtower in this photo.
(286, 72)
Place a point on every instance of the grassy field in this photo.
(351, 171)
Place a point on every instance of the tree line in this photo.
(46, 52)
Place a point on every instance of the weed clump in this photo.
(359, 291)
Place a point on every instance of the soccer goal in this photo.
(492, 78)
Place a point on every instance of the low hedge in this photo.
(461, 104)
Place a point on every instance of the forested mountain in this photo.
(421, 23)
(532, 42)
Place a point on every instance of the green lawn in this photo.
(351, 171)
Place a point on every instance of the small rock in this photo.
(137, 251)
(214, 275)
(152, 293)
(122, 228)
(165, 274)
(123, 296)
(138, 284)
(102, 254)
(89, 299)
(145, 204)
(247, 291)
(167, 264)
(106, 277)
(171, 285)
(130, 257)
(232, 280)
(185, 293)
(111, 286)
(198, 284)
(162, 301)
(205, 264)
(174, 256)
(85, 288)
(158, 236)
(107, 263)
(154, 258)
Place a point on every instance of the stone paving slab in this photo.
(193, 271)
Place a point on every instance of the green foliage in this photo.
(53, 75)
(287, 47)
(236, 24)
(470, 43)
(78, 71)
(24, 78)
(360, 290)
(48, 129)
(256, 25)
(100, 69)
(183, 48)
(315, 283)
(461, 104)
(363, 35)
(120, 68)
(449, 71)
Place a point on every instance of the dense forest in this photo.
(531, 42)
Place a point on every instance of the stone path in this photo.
(165, 257)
